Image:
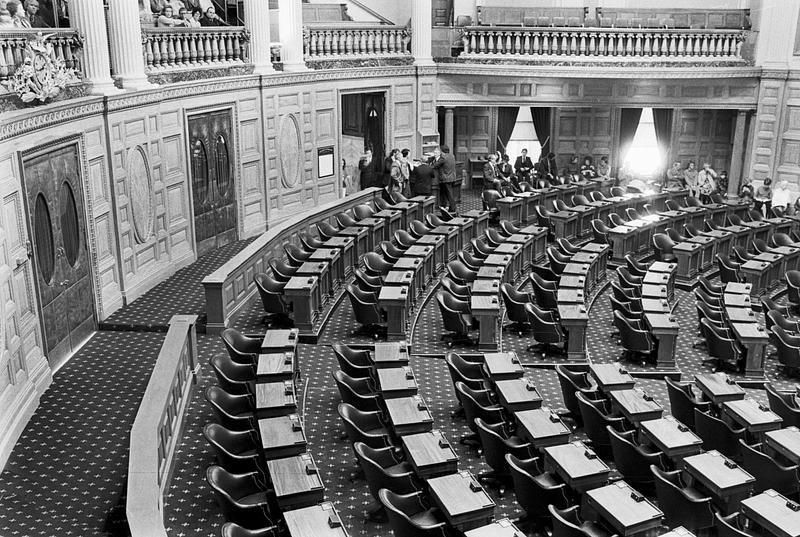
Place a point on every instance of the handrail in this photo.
(189, 48)
(228, 288)
(67, 44)
(325, 41)
(158, 426)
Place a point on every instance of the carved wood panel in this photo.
(582, 131)
(704, 136)
(475, 128)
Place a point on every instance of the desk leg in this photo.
(666, 351)
(576, 343)
(754, 366)
(488, 332)
(302, 311)
(396, 323)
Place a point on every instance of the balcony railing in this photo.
(66, 43)
(190, 48)
(603, 44)
(349, 41)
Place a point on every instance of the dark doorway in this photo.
(213, 192)
(54, 189)
(363, 116)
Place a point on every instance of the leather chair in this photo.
(469, 261)
(673, 234)
(580, 199)
(632, 214)
(281, 270)
(793, 288)
(363, 211)
(236, 451)
(383, 470)
(367, 312)
(617, 191)
(627, 296)
(768, 472)
(723, 348)
(788, 347)
(366, 427)
(755, 216)
(709, 288)
(477, 404)
(616, 220)
(596, 416)
(635, 267)
(636, 341)
(633, 460)
(596, 195)
(397, 197)
(760, 246)
(461, 292)
(367, 283)
(493, 237)
(514, 302)
(571, 382)
(344, 220)
(567, 523)
(404, 239)
(547, 331)
(545, 293)
(231, 529)
(734, 220)
(730, 526)
(358, 392)
(242, 349)
(480, 249)
(778, 212)
(715, 301)
(781, 239)
(375, 265)
(460, 273)
(242, 498)
(774, 318)
(471, 374)
(784, 404)
(296, 255)
(446, 214)
(741, 255)
(566, 247)
(276, 307)
(600, 231)
(310, 243)
(691, 230)
(418, 229)
(507, 228)
(559, 205)
(489, 198)
(432, 221)
(326, 231)
(634, 317)
(234, 378)
(716, 434)
(496, 442)
(767, 304)
(409, 516)
(558, 262)
(629, 281)
(663, 246)
(546, 273)
(456, 318)
(543, 219)
(710, 225)
(234, 412)
(354, 363)
(536, 489)
(728, 270)
(391, 253)
(683, 402)
(682, 505)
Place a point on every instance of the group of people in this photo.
(22, 14)
(179, 13)
(701, 183)
(765, 197)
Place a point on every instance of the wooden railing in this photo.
(158, 427)
(190, 48)
(230, 287)
(67, 44)
(662, 45)
(348, 41)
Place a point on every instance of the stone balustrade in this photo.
(355, 41)
(189, 48)
(603, 44)
(66, 43)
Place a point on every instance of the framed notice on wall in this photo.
(325, 161)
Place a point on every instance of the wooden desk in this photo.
(577, 465)
(376, 227)
(680, 531)
(275, 366)
(465, 226)
(486, 287)
(282, 436)
(585, 216)
(726, 482)
(493, 272)
(689, 256)
(755, 339)
(718, 388)
(304, 294)
(570, 296)
(393, 221)
(761, 229)
(541, 427)
(279, 340)
(390, 355)
(409, 415)
(430, 454)
(515, 252)
(611, 377)
(501, 260)
(346, 247)
(577, 269)
(575, 320)
(772, 512)
(400, 278)
(395, 300)
(723, 240)
(570, 281)
(528, 255)
(635, 405)
(411, 211)
(424, 252)
(756, 273)
(480, 221)
(671, 437)
(660, 280)
(417, 266)
(452, 236)
(709, 250)
(427, 205)
(602, 251)
(361, 239)
(296, 481)
(740, 315)
(396, 382)
(517, 394)
(511, 209)
(665, 328)
(333, 257)
(529, 202)
(322, 271)
(503, 365)
(737, 300)
(486, 310)
(785, 442)
(275, 399)
(438, 243)
(751, 415)
(734, 288)
(565, 224)
(654, 305)
(499, 528)
(602, 208)
(316, 521)
(462, 499)
(624, 509)
(777, 267)
(791, 257)
(623, 241)
(695, 215)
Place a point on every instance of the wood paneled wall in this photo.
(703, 136)
(583, 131)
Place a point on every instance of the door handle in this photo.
(64, 283)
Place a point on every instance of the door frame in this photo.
(238, 194)
(388, 139)
(58, 143)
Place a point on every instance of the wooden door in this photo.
(213, 192)
(61, 260)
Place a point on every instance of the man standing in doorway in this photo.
(445, 165)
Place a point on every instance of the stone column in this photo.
(127, 56)
(88, 17)
(737, 156)
(421, 32)
(290, 18)
(449, 134)
(256, 20)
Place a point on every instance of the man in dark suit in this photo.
(490, 172)
(523, 166)
(445, 165)
(422, 178)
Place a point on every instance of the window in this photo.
(70, 230)
(644, 156)
(43, 234)
(523, 137)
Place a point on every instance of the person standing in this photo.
(421, 178)
(763, 197)
(387, 166)
(523, 166)
(690, 178)
(706, 183)
(367, 171)
(405, 170)
(490, 172)
(445, 166)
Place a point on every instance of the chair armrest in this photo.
(703, 406)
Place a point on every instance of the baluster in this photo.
(241, 52)
(327, 43)
(192, 45)
(383, 39)
(573, 43)
(208, 48)
(601, 44)
(176, 44)
(629, 48)
(390, 41)
(620, 49)
(321, 43)
(490, 43)
(338, 49)
(229, 55)
(697, 45)
(712, 45)
(592, 51)
(362, 42)
(518, 43)
(706, 45)
(637, 46)
(470, 42)
(545, 44)
(526, 44)
(564, 43)
(481, 43)
(508, 39)
(583, 48)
